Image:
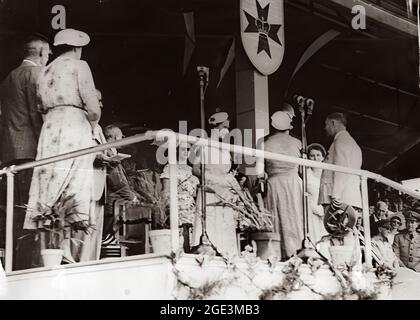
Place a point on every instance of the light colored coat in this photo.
(344, 151)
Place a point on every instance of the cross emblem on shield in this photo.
(262, 33)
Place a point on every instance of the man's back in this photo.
(345, 152)
(21, 120)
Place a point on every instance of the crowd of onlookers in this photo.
(395, 237)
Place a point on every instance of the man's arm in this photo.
(342, 154)
(33, 100)
(396, 248)
(119, 185)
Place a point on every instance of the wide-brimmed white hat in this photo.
(218, 117)
(71, 37)
(281, 120)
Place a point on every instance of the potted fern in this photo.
(254, 219)
(57, 222)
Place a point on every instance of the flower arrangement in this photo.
(148, 185)
(59, 220)
(354, 282)
(250, 216)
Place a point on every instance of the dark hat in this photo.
(395, 218)
(339, 218)
(412, 215)
(385, 223)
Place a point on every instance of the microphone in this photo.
(299, 99)
(203, 72)
(310, 103)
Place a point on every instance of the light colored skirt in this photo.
(65, 129)
(284, 200)
(220, 226)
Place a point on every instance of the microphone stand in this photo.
(307, 249)
(205, 245)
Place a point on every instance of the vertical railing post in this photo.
(173, 190)
(9, 220)
(366, 223)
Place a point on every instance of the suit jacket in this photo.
(21, 120)
(345, 152)
(407, 250)
(374, 230)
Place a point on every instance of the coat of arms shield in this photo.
(262, 33)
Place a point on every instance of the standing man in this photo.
(344, 151)
(21, 128)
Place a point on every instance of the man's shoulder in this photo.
(345, 138)
(401, 235)
(26, 72)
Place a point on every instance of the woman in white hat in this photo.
(284, 186)
(221, 220)
(70, 105)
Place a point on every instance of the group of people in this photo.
(53, 109)
(48, 110)
(284, 186)
(393, 244)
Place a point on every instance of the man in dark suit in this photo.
(380, 213)
(22, 124)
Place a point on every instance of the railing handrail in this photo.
(304, 162)
(172, 140)
(150, 135)
(78, 153)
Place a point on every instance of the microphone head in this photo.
(299, 99)
(310, 103)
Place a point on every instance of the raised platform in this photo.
(152, 277)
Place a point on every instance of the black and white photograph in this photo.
(179, 150)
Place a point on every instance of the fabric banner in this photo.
(229, 59)
(262, 33)
(189, 39)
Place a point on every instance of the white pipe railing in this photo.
(172, 140)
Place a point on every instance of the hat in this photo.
(384, 223)
(339, 218)
(317, 146)
(71, 37)
(218, 117)
(395, 217)
(281, 120)
(412, 215)
(289, 110)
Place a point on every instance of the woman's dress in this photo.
(64, 87)
(284, 193)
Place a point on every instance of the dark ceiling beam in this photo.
(406, 149)
(370, 117)
(381, 84)
(375, 150)
(324, 13)
(381, 15)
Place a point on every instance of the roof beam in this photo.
(346, 110)
(381, 15)
(381, 84)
